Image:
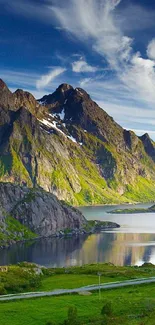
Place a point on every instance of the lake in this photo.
(131, 244)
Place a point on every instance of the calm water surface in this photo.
(132, 244)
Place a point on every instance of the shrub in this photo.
(72, 317)
(2, 290)
(107, 309)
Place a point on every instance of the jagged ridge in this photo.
(66, 144)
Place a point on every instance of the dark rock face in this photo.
(81, 111)
(59, 96)
(38, 210)
(149, 145)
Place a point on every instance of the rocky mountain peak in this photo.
(24, 98)
(149, 145)
(79, 109)
(6, 96)
(145, 136)
(58, 98)
(65, 87)
(62, 92)
(3, 86)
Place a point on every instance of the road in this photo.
(104, 286)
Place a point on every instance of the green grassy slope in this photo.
(130, 306)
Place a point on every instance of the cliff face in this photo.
(25, 213)
(66, 144)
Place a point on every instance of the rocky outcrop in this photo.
(37, 210)
(31, 213)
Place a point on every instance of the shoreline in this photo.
(112, 204)
(92, 227)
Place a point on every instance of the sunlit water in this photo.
(132, 244)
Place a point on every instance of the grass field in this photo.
(69, 281)
(88, 274)
(134, 305)
(75, 281)
(131, 305)
(24, 277)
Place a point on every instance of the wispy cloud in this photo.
(85, 81)
(29, 8)
(104, 26)
(82, 66)
(26, 80)
(97, 23)
(20, 79)
(47, 78)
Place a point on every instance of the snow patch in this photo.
(71, 138)
(50, 114)
(41, 102)
(52, 125)
(60, 115)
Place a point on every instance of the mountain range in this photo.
(67, 145)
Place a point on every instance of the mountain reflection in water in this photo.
(117, 248)
(132, 244)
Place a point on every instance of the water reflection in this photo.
(132, 244)
(117, 248)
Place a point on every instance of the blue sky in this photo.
(106, 47)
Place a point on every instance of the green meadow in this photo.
(129, 305)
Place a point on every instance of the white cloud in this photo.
(85, 81)
(47, 78)
(82, 66)
(26, 80)
(139, 76)
(97, 23)
(151, 49)
(94, 21)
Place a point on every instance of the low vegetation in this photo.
(31, 277)
(14, 231)
(21, 278)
